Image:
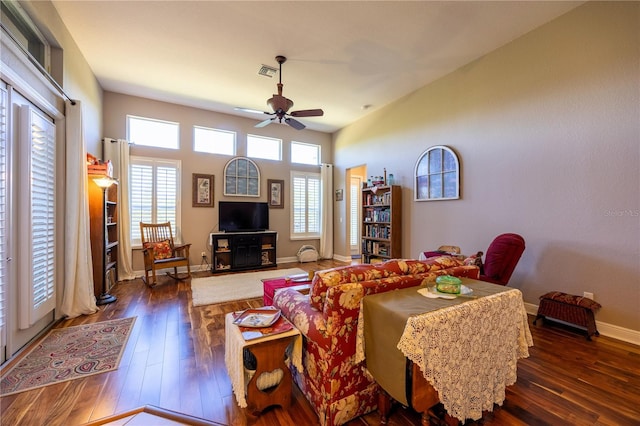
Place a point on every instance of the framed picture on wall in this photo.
(202, 190)
(276, 193)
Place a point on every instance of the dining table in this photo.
(466, 346)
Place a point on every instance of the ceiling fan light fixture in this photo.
(281, 105)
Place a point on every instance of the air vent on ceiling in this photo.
(267, 71)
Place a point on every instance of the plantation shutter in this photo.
(37, 198)
(354, 214)
(305, 205)
(166, 195)
(155, 194)
(141, 184)
(3, 216)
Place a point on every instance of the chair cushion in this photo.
(570, 299)
(161, 249)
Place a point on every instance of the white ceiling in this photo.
(342, 55)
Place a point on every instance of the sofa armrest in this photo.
(296, 308)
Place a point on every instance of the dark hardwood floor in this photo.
(175, 360)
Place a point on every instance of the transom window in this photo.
(152, 132)
(214, 141)
(437, 175)
(264, 147)
(305, 153)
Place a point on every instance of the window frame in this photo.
(155, 120)
(215, 131)
(155, 163)
(423, 182)
(306, 234)
(264, 138)
(318, 149)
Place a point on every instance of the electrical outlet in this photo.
(588, 295)
(203, 254)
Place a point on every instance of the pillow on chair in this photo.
(161, 249)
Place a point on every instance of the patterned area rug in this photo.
(70, 353)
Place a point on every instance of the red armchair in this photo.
(502, 257)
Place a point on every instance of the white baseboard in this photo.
(609, 330)
(342, 258)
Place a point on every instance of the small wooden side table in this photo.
(270, 353)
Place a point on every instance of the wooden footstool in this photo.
(569, 308)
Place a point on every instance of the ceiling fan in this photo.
(281, 105)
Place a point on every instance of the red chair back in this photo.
(502, 257)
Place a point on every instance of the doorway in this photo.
(354, 177)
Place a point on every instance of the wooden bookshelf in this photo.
(381, 223)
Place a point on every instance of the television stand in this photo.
(239, 251)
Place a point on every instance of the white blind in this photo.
(155, 194)
(3, 213)
(305, 205)
(354, 225)
(37, 194)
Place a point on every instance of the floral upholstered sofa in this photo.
(337, 387)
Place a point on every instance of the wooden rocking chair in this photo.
(160, 252)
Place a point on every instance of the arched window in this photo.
(437, 175)
(241, 178)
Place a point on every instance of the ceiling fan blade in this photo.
(265, 122)
(308, 113)
(294, 123)
(255, 111)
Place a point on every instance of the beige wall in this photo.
(198, 222)
(78, 80)
(548, 133)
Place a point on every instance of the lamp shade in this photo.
(104, 181)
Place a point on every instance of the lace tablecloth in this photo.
(234, 345)
(466, 348)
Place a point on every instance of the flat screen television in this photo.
(243, 216)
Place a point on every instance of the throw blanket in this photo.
(234, 345)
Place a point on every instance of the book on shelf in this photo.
(281, 325)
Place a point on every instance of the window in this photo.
(150, 132)
(263, 147)
(305, 205)
(155, 194)
(18, 23)
(437, 175)
(305, 153)
(214, 141)
(37, 200)
(241, 178)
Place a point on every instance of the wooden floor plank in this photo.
(175, 359)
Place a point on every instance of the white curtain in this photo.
(78, 297)
(118, 152)
(326, 209)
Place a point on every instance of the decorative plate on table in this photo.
(431, 292)
(257, 318)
